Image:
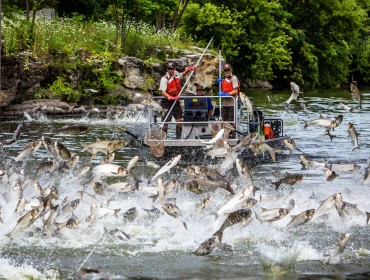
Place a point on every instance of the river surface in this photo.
(159, 247)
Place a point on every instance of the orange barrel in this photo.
(267, 131)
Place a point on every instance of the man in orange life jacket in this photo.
(229, 87)
(170, 87)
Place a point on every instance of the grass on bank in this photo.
(69, 35)
(91, 47)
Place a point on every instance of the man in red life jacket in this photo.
(170, 87)
(230, 86)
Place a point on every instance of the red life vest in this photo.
(174, 86)
(227, 85)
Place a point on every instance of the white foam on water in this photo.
(24, 271)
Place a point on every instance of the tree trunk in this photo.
(27, 11)
(177, 15)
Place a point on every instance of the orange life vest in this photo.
(174, 86)
(227, 85)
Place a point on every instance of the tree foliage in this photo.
(317, 43)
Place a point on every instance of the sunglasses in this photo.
(225, 70)
(171, 68)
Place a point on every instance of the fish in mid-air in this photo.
(274, 214)
(356, 93)
(327, 132)
(174, 211)
(301, 219)
(167, 167)
(354, 135)
(295, 93)
(289, 179)
(238, 216)
(207, 246)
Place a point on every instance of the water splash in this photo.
(279, 262)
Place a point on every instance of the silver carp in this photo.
(354, 135)
(300, 219)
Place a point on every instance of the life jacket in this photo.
(173, 85)
(227, 86)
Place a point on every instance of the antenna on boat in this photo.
(220, 82)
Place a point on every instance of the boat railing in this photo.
(196, 116)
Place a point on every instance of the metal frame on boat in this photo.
(197, 125)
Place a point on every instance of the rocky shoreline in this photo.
(22, 77)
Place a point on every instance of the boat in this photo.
(198, 127)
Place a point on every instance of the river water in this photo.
(159, 247)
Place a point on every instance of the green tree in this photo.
(253, 34)
(323, 38)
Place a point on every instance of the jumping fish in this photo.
(367, 174)
(204, 202)
(71, 130)
(50, 227)
(121, 187)
(342, 243)
(247, 104)
(325, 122)
(62, 151)
(289, 179)
(274, 214)
(244, 142)
(214, 140)
(25, 221)
(300, 219)
(167, 167)
(28, 149)
(103, 146)
(174, 211)
(354, 135)
(238, 216)
(244, 171)
(109, 170)
(130, 215)
(236, 201)
(200, 186)
(307, 163)
(16, 135)
(331, 175)
(356, 93)
(295, 93)
(345, 107)
(350, 209)
(327, 132)
(207, 246)
(205, 172)
(290, 144)
(49, 145)
(333, 200)
(260, 147)
(132, 163)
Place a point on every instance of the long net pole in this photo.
(219, 84)
(191, 73)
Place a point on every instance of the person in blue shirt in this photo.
(199, 89)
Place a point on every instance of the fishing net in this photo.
(154, 138)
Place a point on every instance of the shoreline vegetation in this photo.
(64, 44)
(327, 46)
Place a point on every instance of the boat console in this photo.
(195, 118)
